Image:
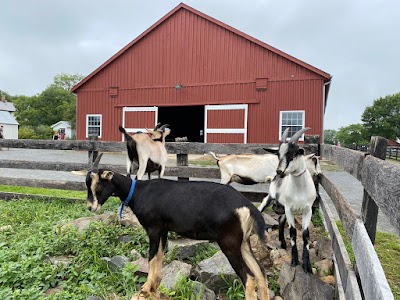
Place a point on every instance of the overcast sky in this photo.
(355, 41)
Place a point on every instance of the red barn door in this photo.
(226, 123)
(136, 119)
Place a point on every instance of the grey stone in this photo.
(117, 263)
(184, 248)
(173, 272)
(270, 222)
(205, 292)
(128, 218)
(94, 298)
(83, 223)
(323, 248)
(143, 266)
(135, 254)
(211, 270)
(324, 267)
(60, 260)
(295, 284)
(125, 239)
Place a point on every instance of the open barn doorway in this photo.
(184, 121)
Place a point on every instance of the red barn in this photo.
(209, 81)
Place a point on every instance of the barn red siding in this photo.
(225, 119)
(234, 138)
(214, 65)
(139, 119)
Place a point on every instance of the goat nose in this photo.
(279, 172)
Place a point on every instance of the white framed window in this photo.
(294, 119)
(93, 125)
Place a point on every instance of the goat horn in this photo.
(157, 126)
(298, 134)
(163, 127)
(284, 135)
(95, 166)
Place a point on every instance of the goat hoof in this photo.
(283, 245)
(307, 268)
(294, 263)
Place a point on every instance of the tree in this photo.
(67, 81)
(383, 117)
(352, 134)
(330, 137)
(54, 104)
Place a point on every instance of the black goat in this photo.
(193, 209)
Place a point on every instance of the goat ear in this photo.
(167, 132)
(107, 175)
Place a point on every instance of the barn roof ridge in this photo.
(325, 75)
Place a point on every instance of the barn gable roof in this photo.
(323, 74)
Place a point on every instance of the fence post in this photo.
(369, 209)
(182, 160)
(92, 153)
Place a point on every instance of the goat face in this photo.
(289, 155)
(99, 188)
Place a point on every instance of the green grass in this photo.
(43, 191)
(329, 166)
(36, 234)
(26, 273)
(387, 247)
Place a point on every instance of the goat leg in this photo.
(295, 255)
(282, 220)
(306, 254)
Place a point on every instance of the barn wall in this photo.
(214, 65)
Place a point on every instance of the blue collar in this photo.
(126, 202)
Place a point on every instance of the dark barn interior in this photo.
(184, 121)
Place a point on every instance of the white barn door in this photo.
(225, 123)
(136, 119)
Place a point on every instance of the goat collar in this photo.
(126, 202)
(305, 169)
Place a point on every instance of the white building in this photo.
(7, 120)
(63, 126)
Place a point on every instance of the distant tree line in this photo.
(382, 118)
(35, 114)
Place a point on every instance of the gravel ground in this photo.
(350, 187)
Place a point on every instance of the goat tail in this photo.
(251, 220)
(213, 155)
(127, 136)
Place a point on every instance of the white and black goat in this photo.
(293, 187)
(147, 150)
(193, 209)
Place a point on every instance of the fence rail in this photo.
(379, 178)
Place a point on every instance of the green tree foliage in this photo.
(55, 103)
(67, 81)
(352, 134)
(41, 132)
(330, 137)
(383, 117)
(52, 105)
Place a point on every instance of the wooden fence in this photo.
(379, 178)
(393, 152)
